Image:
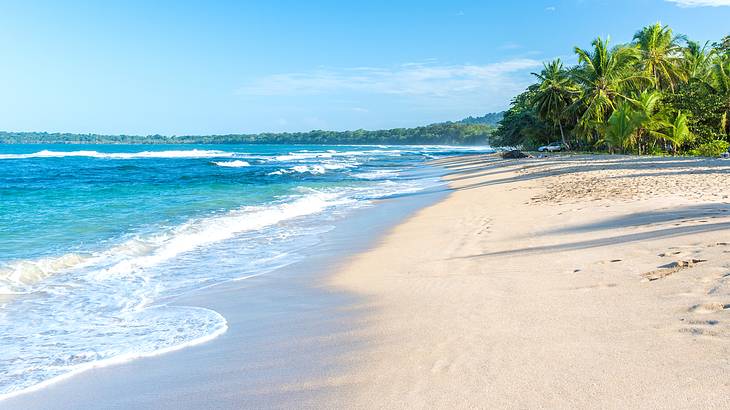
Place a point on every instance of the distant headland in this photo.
(469, 131)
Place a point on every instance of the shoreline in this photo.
(118, 360)
(287, 313)
(567, 281)
(543, 282)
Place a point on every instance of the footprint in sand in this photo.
(702, 322)
(441, 366)
(707, 328)
(484, 226)
(596, 286)
(719, 285)
(669, 269)
(700, 327)
(706, 308)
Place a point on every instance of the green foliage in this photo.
(492, 118)
(722, 46)
(555, 93)
(720, 76)
(711, 149)
(621, 128)
(703, 106)
(659, 55)
(521, 126)
(720, 83)
(697, 61)
(662, 93)
(679, 131)
(445, 133)
(675, 134)
(605, 76)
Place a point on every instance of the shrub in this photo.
(711, 149)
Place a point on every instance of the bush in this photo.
(711, 149)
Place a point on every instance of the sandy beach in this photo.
(562, 282)
(572, 281)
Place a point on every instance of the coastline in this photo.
(286, 330)
(569, 281)
(530, 283)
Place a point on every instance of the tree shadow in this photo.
(584, 164)
(607, 241)
(661, 216)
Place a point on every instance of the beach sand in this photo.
(559, 282)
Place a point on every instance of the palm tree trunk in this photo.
(562, 134)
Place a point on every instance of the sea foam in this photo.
(232, 164)
(109, 297)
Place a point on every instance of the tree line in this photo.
(435, 134)
(659, 94)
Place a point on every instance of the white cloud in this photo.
(411, 79)
(700, 3)
(510, 46)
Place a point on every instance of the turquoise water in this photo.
(96, 240)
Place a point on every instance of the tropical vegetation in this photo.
(661, 93)
(452, 133)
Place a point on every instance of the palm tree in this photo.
(720, 83)
(620, 129)
(677, 131)
(646, 116)
(660, 55)
(605, 77)
(723, 46)
(696, 61)
(554, 95)
(632, 120)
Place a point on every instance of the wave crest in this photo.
(16, 277)
(194, 153)
(232, 164)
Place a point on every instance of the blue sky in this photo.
(230, 67)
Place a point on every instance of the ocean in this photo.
(96, 241)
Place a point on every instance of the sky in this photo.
(192, 68)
